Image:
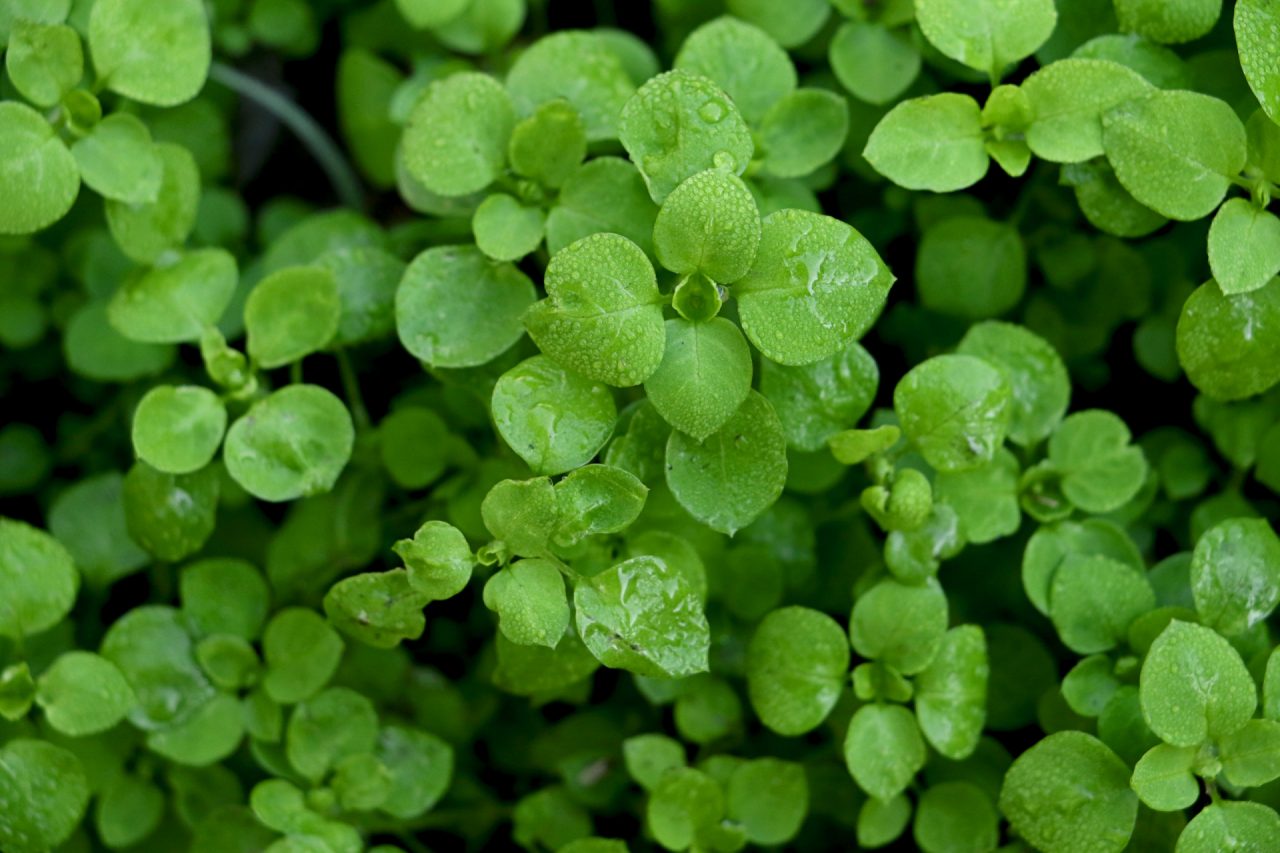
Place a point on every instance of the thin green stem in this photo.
(351, 388)
(295, 373)
(345, 182)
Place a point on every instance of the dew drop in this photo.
(712, 111)
(724, 161)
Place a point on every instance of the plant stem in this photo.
(351, 387)
(343, 178)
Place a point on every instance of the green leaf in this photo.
(17, 691)
(44, 61)
(438, 560)
(39, 170)
(769, 798)
(900, 625)
(883, 749)
(933, 143)
(156, 55)
(364, 89)
(290, 314)
(456, 140)
(1070, 793)
(704, 377)
(128, 811)
(456, 308)
(816, 286)
(1090, 685)
(985, 499)
(971, 267)
(803, 132)
(1235, 575)
(39, 579)
(1068, 99)
(223, 595)
(708, 224)
(649, 757)
(579, 67)
(1194, 686)
(1093, 600)
(1106, 204)
(855, 446)
(1037, 377)
(170, 515)
(1176, 152)
(678, 124)
(549, 145)
(178, 429)
(951, 693)
(988, 35)
(530, 601)
(1244, 247)
(428, 14)
(602, 316)
(727, 480)
(643, 615)
(818, 400)
(118, 160)
(1101, 471)
(1051, 545)
(421, 766)
(956, 816)
(521, 513)
(150, 232)
(684, 807)
(1168, 22)
(176, 302)
(377, 608)
(208, 736)
(230, 661)
(43, 795)
(328, 727)
(799, 23)
(538, 671)
(797, 662)
(605, 195)
(956, 409)
(152, 648)
(552, 418)
(505, 229)
(1163, 778)
(876, 64)
(882, 822)
(83, 694)
(1229, 345)
(1256, 24)
(596, 499)
(1230, 825)
(707, 710)
(291, 444)
(717, 50)
(301, 652)
(414, 445)
(1251, 756)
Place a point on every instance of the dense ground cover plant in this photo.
(674, 432)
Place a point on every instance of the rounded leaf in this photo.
(933, 143)
(290, 314)
(883, 749)
(552, 418)
(971, 267)
(456, 140)
(1230, 345)
(816, 286)
(1194, 686)
(83, 694)
(704, 377)
(797, 663)
(708, 224)
(43, 795)
(39, 176)
(456, 308)
(678, 124)
(178, 429)
(603, 315)
(38, 577)
(158, 55)
(736, 473)
(291, 444)
(1069, 793)
(578, 66)
(956, 409)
